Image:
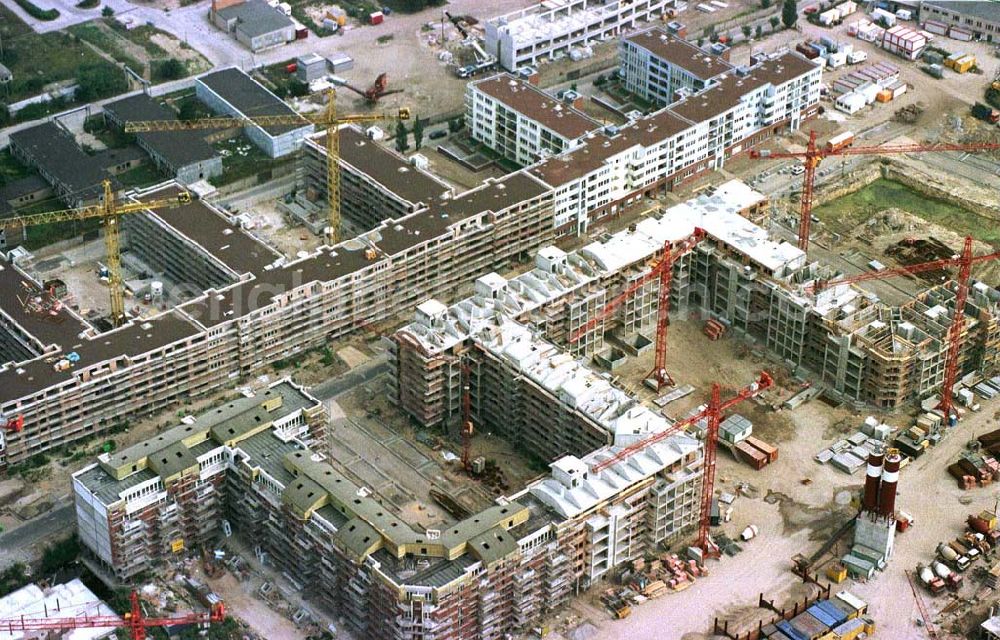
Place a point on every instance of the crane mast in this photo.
(814, 155)
(328, 119)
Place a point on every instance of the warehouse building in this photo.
(184, 155)
(552, 31)
(232, 92)
(981, 18)
(661, 68)
(254, 23)
(520, 122)
(74, 176)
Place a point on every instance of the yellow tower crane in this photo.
(328, 119)
(109, 210)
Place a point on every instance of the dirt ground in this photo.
(376, 445)
(279, 230)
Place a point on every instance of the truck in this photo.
(958, 562)
(952, 579)
(985, 113)
(965, 549)
(840, 141)
(933, 583)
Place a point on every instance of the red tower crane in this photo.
(467, 417)
(134, 621)
(924, 615)
(664, 270)
(713, 413)
(964, 262)
(813, 155)
(14, 423)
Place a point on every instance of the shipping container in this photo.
(809, 626)
(850, 629)
(376, 17)
(938, 28)
(767, 449)
(785, 627)
(884, 95)
(750, 455)
(959, 34)
(817, 612)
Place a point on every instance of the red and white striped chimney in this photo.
(873, 481)
(890, 478)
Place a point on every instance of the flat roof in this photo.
(56, 153)
(134, 339)
(256, 17)
(250, 98)
(559, 170)
(726, 94)
(523, 97)
(495, 195)
(177, 148)
(679, 52)
(210, 230)
(387, 168)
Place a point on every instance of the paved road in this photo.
(17, 544)
(360, 375)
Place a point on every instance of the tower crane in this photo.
(664, 271)
(328, 118)
(109, 210)
(921, 607)
(467, 428)
(964, 262)
(712, 412)
(814, 155)
(134, 621)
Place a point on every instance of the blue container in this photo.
(817, 612)
(786, 627)
(832, 611)
(952, 420)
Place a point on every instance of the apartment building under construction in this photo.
(255, 466)
(865, 351)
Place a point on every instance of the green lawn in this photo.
(11, 168)
(107, 43)
(241, 159)
(38, 59)
(142, 176)
(847, 212)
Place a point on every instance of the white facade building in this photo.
(657, 65)
(520, 122)
(615, 168)
(550, 29)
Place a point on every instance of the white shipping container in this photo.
(850, 103)
(959, 34)
(939, 28)
(829, 17)
(889, 18)
(847, 8)
(904, 14)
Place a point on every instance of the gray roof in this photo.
(60, 159)
(982, 9)
(177, 148)
(255, 18)
(250, 98)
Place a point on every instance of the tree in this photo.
(402, 137)
(418, 133)
(189, 110)
(455, 125)
(765, 4)
(107, 11)
(172, 69)
(775, 21)
(99, 80)
(746, 31)
(297, 88)
(789, 13)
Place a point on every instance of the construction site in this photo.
(693, 356)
